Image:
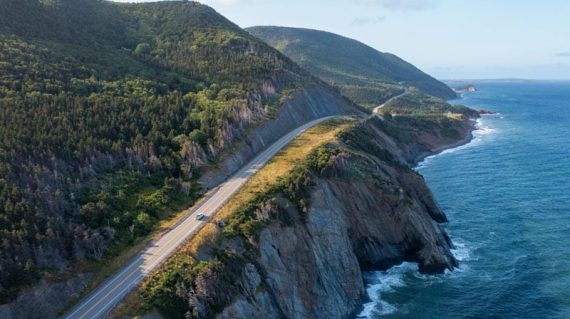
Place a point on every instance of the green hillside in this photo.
(364, 74)
(103, 110)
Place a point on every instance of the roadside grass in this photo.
(276, 169)
(455, 116)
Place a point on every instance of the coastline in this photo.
(393, 277)
(466, 139)
(520, 154)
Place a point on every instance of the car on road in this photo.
(200, 217)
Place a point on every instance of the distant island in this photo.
(465, 88)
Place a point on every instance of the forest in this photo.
(107, 113)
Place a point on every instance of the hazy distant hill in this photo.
(364, 74)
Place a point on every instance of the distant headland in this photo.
(465, 88)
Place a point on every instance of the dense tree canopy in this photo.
(94, 97)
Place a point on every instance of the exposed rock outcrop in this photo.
(45, 300)
(367, 210)
(410, 143)
(486, 112)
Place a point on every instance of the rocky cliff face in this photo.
(365, 213)
(366, 210)
(411, 142)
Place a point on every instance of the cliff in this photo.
(130, 104)
(299, 249)
(418, 125)
(314, 269)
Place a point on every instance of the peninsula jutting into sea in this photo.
(159, 160)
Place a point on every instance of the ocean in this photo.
(507, 197)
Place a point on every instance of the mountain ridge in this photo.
(363, 73)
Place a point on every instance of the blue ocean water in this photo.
(507, 196)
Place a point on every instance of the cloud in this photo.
(401, 5)
(563, 55)
(366, 21)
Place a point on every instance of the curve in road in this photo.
(105, 297)
(377, 109)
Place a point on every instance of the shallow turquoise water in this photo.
(507, 196)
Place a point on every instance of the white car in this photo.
(200, 217)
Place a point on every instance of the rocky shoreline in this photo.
(466, 139)
(368, 210)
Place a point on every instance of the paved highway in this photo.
(103, 299)
(377, 109)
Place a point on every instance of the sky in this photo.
(450, 39)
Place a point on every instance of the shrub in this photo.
(142, 49)
(199, 137)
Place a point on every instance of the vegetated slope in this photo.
(296, 246)
(364, 74)
(107, 112)
(421, 124)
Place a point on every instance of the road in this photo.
(377, 109)
(105, 297)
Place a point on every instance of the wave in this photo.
(461, 252)
(380, 283)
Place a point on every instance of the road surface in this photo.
(377, 109)
(103, 299)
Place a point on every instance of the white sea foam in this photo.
(480, 135)
(461, 252)
(382, 282)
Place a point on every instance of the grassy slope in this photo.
(363, 73)
(421, 123)
(418, 104)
